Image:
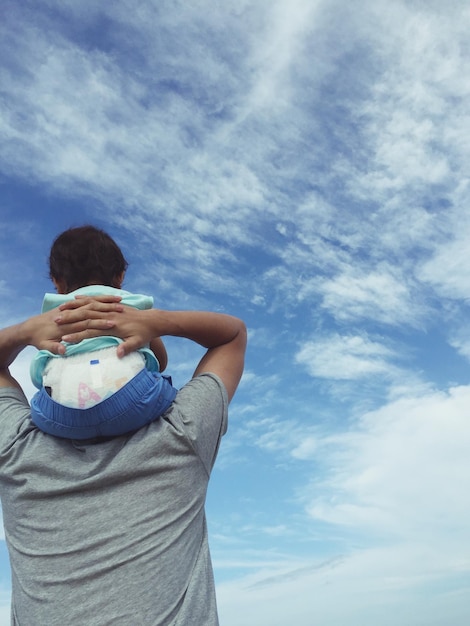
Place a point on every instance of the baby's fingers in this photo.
(130, 345)
(53, 346)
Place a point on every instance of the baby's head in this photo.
(85, 256)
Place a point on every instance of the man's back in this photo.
(92, 526)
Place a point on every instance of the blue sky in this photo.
(303, 164)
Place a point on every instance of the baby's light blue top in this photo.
(53, 300)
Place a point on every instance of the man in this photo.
(112, 532)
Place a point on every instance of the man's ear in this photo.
(60, 285)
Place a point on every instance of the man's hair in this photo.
(86, 255)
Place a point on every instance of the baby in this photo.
(90, 392)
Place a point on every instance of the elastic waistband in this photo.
(138, 387)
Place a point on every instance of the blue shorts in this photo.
(140, 401)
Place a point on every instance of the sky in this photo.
(304, 165)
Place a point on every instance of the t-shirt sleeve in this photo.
(202, 408)
(14, 411)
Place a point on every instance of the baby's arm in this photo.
(159, 350)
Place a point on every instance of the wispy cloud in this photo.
(346, 357)
(184, 140)
(390, 576)
(382, 296)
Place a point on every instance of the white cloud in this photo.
(448, 270)
(346, 357)
(410, 99)
(391, 492)
(401, 470)
(146, 153)
(382, 585)
(275, 54)
(461, 341)
(381, 296)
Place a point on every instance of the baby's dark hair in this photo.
(86, 255)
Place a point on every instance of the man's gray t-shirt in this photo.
(112, 533)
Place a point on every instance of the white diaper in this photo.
(82, 380)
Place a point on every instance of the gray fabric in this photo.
(112, 533)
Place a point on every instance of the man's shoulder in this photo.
(14, 408)
(200, 410)
(13, 395)
(206, 388)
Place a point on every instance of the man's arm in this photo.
(224, 336)
(11, 344)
